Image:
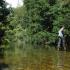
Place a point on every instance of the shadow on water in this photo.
(3, 65)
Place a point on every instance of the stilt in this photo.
(64, 47)
(61, 41)
(59, 44)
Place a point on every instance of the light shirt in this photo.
(60, 32)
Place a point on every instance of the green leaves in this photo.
(38, 22)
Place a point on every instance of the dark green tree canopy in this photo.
(48, 16)
(4, 11)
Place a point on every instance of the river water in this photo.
(54, 60)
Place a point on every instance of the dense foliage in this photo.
(4, 11)
(45, 19)
(37, 23)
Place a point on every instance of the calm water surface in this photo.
(56, 60)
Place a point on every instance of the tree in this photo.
(4, 11)
(38, 21)
(46, 17)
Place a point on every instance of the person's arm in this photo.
(62, 29)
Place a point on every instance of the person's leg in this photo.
(59, 43)
(63, 43)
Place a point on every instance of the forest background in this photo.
(35, 24)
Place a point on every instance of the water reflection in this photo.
(63, 61)
(60, 61)
(3, 66)
(54, 60)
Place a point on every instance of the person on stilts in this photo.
(61, 38)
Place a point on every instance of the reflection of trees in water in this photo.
(60, 61)
(2, 64)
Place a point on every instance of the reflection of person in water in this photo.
(61, 38)
(60, 60)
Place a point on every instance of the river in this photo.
(40, 60)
